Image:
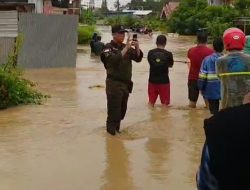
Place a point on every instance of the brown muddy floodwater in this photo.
(63, 145)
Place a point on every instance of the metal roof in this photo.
(142, 12)
(138, 12)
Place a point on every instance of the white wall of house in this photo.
(38, 5)
(215, 2)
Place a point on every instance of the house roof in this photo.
(142, 12)
(138, 12)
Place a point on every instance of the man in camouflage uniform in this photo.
(234, 69)
(117, 59)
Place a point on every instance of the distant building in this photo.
(42, 6)
(19, 6)
(168, 9)
(139, 13)
(219, 2)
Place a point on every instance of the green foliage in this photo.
(14, 89)
(188, 17)
(131, 21)
(104, 8)
(242, 4)
(222, 19)
(192, 14)
(216, 28)
(85, 33)
(87, 17)
(136, 4)
(112, 20)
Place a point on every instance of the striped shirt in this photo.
(208, 82)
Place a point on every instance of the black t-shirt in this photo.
(159, 60)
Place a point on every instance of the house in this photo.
(42, 6)
(19, 6)
(61, 6)
(168, 9)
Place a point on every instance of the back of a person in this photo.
(196, 56)
(211, 81)
(247, 46)
(159, 60)
(227, 138)
(98, 47)
(234, 72)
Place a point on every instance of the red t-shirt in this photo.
(196, 55)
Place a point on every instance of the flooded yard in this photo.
(63, 143)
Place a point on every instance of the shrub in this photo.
(14, 89)
(192, 14)
(85, 33)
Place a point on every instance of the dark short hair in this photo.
(161, 40)
(218, 44)
(99, 38)
(202, 37)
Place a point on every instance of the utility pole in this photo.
(118, 10)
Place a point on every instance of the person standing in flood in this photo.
(225, 159)
(159, 61)
(92, 41)
(233, 69)
(98, 46)
(208, 82)
(117, 59)
(196, 55)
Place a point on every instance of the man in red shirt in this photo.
(196, 55)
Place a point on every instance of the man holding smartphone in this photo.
(117, 59)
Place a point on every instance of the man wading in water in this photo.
(117, 59)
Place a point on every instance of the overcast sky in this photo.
(110, 3)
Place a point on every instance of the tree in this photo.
(155, 6)
(242, 4)
(117, 5)
(104, 7)
(136, 4)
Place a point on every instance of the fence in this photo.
(48, 40)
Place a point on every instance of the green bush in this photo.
(192, 14)
(130, 21)
(87, 17)
(14, 89)
(85, 34)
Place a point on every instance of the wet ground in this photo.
(63, 144)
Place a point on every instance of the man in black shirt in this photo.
(117, 58)
(158, 84)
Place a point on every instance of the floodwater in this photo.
(63, 144)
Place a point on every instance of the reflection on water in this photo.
(158, 151)
(62, 144)
(117, 173)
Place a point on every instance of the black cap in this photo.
(118, 29)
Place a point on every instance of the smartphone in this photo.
(134, 37)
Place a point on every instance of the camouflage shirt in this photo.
(234, 72)
(119, 67)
